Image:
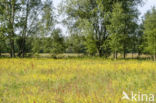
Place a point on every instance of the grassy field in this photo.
(74, 80)
(79, 55)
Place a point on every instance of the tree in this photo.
(36, 45)
(9, 9)
(90, 11)
(90, 45)
(116, 28)
(140, 39)
(57, 42)
(44, 28)
(28, 21)
(2, 40)
(150, 32)
(75, 43)
(23, 19)
(2, 29)
(96, 13)
(130, 24)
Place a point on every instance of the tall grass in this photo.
(74, 80)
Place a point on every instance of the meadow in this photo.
(81, 80)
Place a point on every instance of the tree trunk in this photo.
(124, 54)
(25, 29)
(154, 56)
(23, 53)
(12, 49)
(155, 49)
(100, 52)
(10, 53)
(0, 52)
(132, 54)
(139, 53)
(19, 53)
(23, 47)
(115, 55)
(12, 14)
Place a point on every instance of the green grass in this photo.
(74, 80)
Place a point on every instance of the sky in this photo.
(148, 4)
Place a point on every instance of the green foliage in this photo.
(95, 27)
(116, 28)
(36, 45)
(140, 39)
(75, 44)
(89, 17)
(90, 45)
(87, 14)
(57, 42)
(150, 31)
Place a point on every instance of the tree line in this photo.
(96, 27)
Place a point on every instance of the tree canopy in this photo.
(95, 27)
